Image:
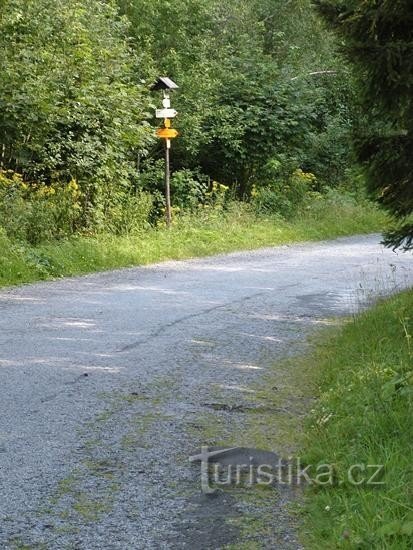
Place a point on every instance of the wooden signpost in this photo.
(167, 133)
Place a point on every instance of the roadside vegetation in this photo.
(363, 416)
(376, 38)
(214, 230)
(365, 373)
(266, 104)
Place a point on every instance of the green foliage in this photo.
(245, 92)
(378, 38)
(35, 213)
(75, 106)
(285, 196)
(130, 214)
(188, 188)
(207, 231)
(363, 416)
(71, 105)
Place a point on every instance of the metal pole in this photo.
(167, 183)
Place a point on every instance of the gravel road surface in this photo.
(107, 383)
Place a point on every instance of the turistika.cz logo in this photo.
(241, 467)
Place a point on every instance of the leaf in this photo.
(407, 528)
(389, 529)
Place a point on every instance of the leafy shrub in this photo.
(188, 188)
(218, 197)
(284, 197)
(130, 215)
(37, 212)
(70, 100)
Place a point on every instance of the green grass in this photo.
(190, 236)
(364, 415)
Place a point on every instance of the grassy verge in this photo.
(191, 236)
(364, 416)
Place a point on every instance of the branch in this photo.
(315, 73)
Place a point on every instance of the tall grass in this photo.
(193, 235)
(364, 416)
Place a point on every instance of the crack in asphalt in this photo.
(162, 329)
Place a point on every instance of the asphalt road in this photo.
(104, 381)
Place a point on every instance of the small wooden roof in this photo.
(164, 83)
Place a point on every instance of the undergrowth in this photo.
(204, 233)
(362, 420)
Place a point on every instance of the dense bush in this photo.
(130, 215)
(38, 212)
(76, 111)
(377, 37)
(71, 104)
(188, 188)
(284, 197)
(247, 93)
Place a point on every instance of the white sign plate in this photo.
(166, 113)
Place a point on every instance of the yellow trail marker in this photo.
(167, 133)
